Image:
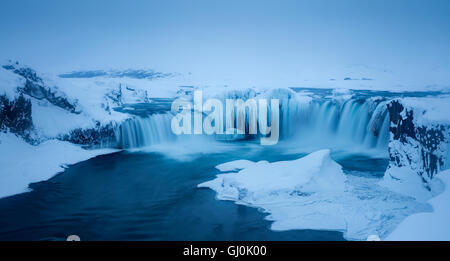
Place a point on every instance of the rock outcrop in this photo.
(15, 116)
(35, 87)
(422, 148)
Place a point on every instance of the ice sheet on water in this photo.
(314, 193)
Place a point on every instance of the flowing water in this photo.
(149, 192)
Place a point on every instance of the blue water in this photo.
(149, 196)
(153, 195)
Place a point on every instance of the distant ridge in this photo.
(129, 73)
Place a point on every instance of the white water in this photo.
(319, 123)
(142, 132)
(330, 124)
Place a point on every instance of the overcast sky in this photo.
(228, 37)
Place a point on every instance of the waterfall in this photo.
(322, 122)
(326, 122)
(145, 131)
(447, 156)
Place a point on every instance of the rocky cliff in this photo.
(417, 145)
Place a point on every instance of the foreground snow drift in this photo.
(22, 163)
(428, 226)
(314, 193)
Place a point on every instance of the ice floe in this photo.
(313, 192)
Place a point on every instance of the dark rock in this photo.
(15, 115)
(99, 136)
(35, 87)
(130, 73)
(400, 127)
(407, 139)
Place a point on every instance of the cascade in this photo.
(145, 131)
(323, 122)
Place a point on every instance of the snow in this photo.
(309, 174)
(51, 121)
(235, 165)
(341, 95)
(313, 193)
(9, 82)
(22, 163)
(405, 181)
(429, 110)
(307, 193)
(428, 226)
(92, 96)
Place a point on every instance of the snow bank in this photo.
(22, 163)
(428, 226)
(315, 172)
(51, 121)
(313, 193)
(405, 181)
(429, 110)
(9, 82)
(234, 165)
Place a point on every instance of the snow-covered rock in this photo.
(77, 107)
(15, 115)
(419, 138)
(34, 87)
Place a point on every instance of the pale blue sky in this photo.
(258, 37)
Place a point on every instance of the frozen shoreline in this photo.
(428, 226)
(22, 163)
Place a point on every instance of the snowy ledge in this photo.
(22, 163)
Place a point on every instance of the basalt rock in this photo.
(419, 147)
(99, 136)
(15, 115)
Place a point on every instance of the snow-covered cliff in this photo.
(45, 120)
(418, 146)
(70, 108)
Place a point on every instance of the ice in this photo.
(429, 110)
(404, 180)
(315, 172)
(314, 193)
(8, 82)
(428, 226)
(235, 165)
(22, 163)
